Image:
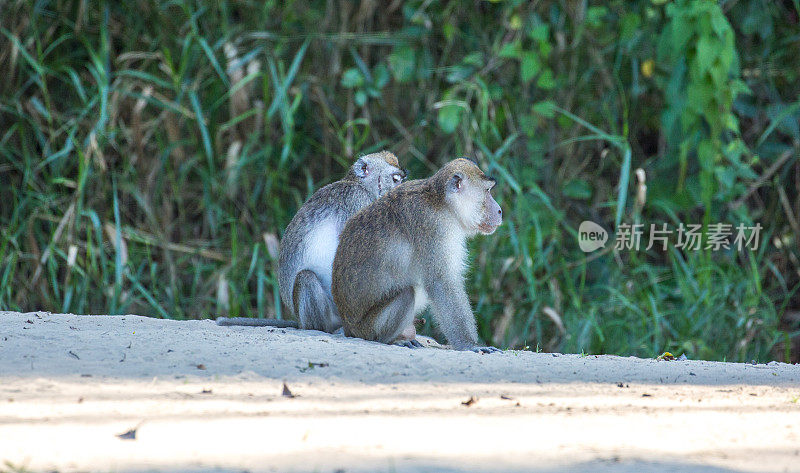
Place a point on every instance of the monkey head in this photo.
(467, 193)
(378, 172)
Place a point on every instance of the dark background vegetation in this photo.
(151, 153)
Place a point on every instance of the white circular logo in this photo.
(591, 236)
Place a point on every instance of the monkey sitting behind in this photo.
(407, 250)
(309, 243)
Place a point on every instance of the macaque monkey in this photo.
(408, 250)
(309, 243)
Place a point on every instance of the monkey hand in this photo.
(483, 350)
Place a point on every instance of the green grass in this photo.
(152, 152)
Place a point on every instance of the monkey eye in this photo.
(364, 169)
(397, 178)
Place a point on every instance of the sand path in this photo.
(209, 398)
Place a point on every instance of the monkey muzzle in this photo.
(492, 218)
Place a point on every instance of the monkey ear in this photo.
(361, 168)
(456, 182)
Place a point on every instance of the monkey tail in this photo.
(250, 322)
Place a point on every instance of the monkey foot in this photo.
(486, 350)
(409, 344)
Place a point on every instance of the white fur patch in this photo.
(420, 300)
(320, 250)
(456, 242)
(467, 205)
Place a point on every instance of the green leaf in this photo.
(727, 55)
(213, 60)
(459, 73)
(707, 52)
(424, 65)
(449, 118)
(720, 24)
(280, 99)
(544, 108)
(449, 30)
(361, 98)
(530, 65)
(352, 78)
(540, 32)
(381, 75)
(739, 87)
(473, 59)
(698, 94)
(402, 62)
(682, 33)
(629, 25)
(546, 80)
(624, 179)
(706, 154)
(545, 48)
(594, 15)
(510, 50)
(731, 122)
(577, 189)
(201, 123)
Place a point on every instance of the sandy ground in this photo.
(207, 398)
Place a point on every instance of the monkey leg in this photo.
(392, 318)
(314, 306)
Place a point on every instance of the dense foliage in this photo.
(151, 154)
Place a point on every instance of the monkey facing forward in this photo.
(309, 243)
(408, 250)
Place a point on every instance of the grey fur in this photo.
(309, 297)
(313, 303)
(412, 241)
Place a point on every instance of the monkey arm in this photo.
(453, 313)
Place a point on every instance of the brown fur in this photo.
(305, 260)
(412, 241)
